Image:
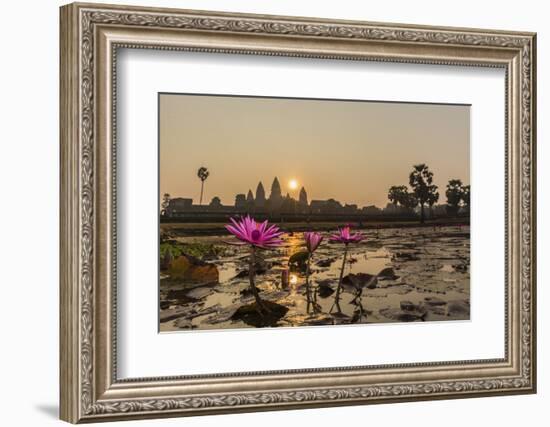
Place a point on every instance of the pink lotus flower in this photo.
(344, 235)
(313, 240)
(250, 232)
(256, 235)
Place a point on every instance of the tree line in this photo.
(424, 193)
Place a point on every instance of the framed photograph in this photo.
(315, 248)
(265, 213)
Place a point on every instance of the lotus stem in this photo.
(338, 290)
(308, 296)
(260, 307)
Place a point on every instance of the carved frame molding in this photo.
(90, 37)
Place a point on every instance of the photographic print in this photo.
(243, 204)
(291, 212)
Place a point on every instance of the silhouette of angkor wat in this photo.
(276, 207)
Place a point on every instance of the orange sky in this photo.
(349, 151)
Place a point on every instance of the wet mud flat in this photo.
(413, 274)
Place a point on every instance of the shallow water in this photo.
(431, 268)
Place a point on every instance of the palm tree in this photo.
(454, 195)
(433, 197)
(466, 196)
(202, 173)
(397, 194)
(421, 181)
(165, 203)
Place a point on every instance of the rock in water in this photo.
(327, 262)
(250, 315)
(199, 292)
(183, 323)
(261, 267)
(299, 259)
(405, 256)
(458, 309)
(360, 315)
(360, 280)
(178, 312)
(461, 268)
(223, 315)
(418, 313)
(387, 274)
(408, 306)
(339, 318)
(247, 292)
(434, 301)
(179, 296)
(437, 310)
(371, 283)
(193, 270)
(241, 274)
(325, 288)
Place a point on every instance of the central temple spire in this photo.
(276, 193)
(303, 197)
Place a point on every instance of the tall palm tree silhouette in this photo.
(202, 173)
(421, 181)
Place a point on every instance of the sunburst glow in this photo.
(293, 184)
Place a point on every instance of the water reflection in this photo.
(389, 268)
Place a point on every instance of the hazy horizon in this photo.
(346, 150)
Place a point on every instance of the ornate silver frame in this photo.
(90, 36)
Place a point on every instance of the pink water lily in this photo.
(313, 240)
(344, 235)
(250, 232)
(256, 235)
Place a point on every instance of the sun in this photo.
(293, 184)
